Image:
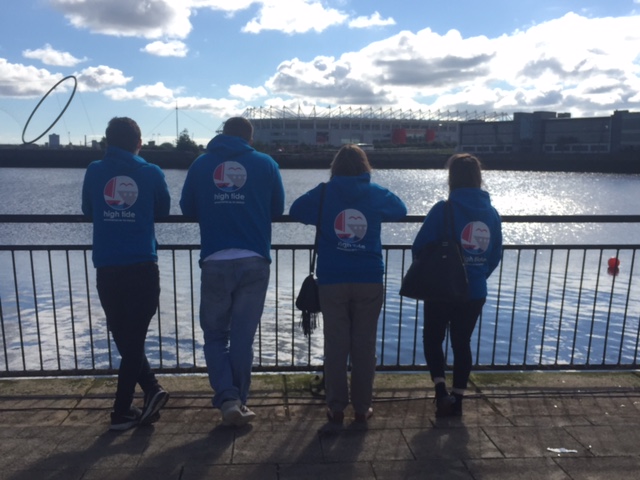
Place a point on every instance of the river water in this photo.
(519, 315)
(57, 191)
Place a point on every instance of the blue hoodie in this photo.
(122, 194)
(349, 247)
(477, 228)
(234, 192)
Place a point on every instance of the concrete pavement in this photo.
(515, 426)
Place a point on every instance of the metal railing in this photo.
(549, 307)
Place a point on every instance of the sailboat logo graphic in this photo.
(120, 192)
(350, 225)
(475, 237)
(229, 176)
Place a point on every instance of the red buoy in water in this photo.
(613, 262)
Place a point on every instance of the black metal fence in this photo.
(549, 307)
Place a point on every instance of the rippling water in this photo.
(57, 191)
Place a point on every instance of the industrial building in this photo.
(551, 132)
(474, 132)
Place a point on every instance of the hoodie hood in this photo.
(228, 146)
(351, 189)
(123, 160)
(472, 202)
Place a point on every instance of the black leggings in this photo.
(129, 296)
(461, 319)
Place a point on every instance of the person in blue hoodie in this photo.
(123, 195)
(234, 192)
(477, 227)
(350, 275)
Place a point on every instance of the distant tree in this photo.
(185, 143)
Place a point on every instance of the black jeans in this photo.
(129, 296)
(461, 319)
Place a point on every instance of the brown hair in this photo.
(238, 127)
(350, 161)
(123, 132)
(465, 171)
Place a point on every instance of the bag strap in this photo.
(312, 264)
(448, 221)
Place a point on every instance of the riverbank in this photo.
(628, 163)
(563, 425)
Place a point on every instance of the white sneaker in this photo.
(235, 414)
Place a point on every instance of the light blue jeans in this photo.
(232, 300)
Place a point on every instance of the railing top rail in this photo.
(36, 218)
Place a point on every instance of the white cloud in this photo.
(374, 20)
(171, 18)
(173, 48)
(161, 96)
(247, 93)
(17, 80)
(129, 18)
(100, 77)
(594, 69)
(294, 16)
(49, 56)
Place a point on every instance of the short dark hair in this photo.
(238, 127)
(465, 171)
(350, 161)
(123, 132)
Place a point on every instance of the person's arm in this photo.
(277, 197)
(430, 230)
(393, 207)
(496, 252)
(188, 204)
(87, 206)
(162, 197)
(305, 208)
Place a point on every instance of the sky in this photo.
(175, 65)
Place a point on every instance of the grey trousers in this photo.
(350, 322)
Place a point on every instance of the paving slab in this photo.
(58, 429)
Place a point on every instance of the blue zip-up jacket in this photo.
(349, 247)
(123, 194)
(477, 228)
(234, 192)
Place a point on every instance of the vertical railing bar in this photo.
(626, 307)
(384, 302)
(545, 310)
(531, 289)
(193, 307)
(4, 339)
(18, 310)
(35, 308)
(495, 328)
(578, 306)
(91, 342)
(608, 323)
(479, 334)
(175, 306)
(562, 298)
(513, 306)
(71, 311)
(593, 310)
(276, 350)
(53, 306)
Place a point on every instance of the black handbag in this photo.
(308, 299)
(438, 272)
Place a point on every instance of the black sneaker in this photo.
(444, 406)
(125, 421)
(153, 402)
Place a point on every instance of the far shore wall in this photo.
(166, 159)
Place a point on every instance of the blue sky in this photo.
(189, 64)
